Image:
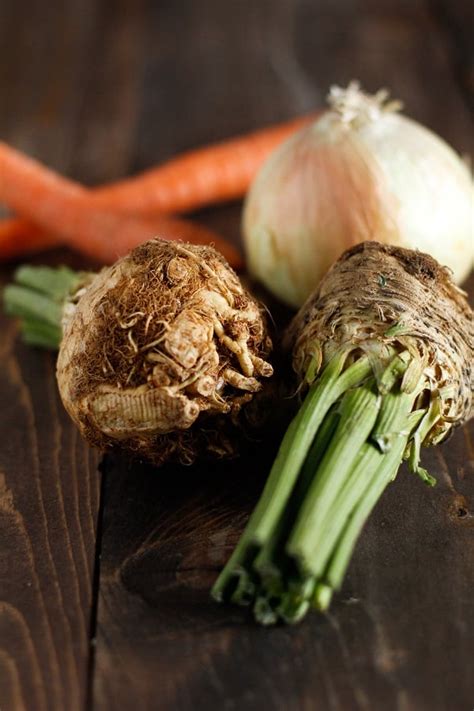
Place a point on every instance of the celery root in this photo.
(159, 354)
(384, 350)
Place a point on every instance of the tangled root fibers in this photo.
(161, 351)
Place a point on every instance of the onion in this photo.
(361, 172)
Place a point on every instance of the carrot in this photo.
(213, 174)
(60, 206)
(20, 237)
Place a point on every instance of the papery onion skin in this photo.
(338, 183)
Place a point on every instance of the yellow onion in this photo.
(361, 172)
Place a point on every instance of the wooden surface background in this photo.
(104, 575)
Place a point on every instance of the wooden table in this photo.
(105, 570)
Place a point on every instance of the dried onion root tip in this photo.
(158, 352)
(385, 350)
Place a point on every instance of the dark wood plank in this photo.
(49, 483)
(44, 65)
(456, 20)
(49, 486)
(48, 510)
(108, 115)
(398, 635)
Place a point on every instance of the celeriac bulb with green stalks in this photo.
(362, 171)
(383, 353)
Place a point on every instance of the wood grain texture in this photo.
(456, 21)
(49, 483)
(49, 486)
(48, 509)
(101, 89)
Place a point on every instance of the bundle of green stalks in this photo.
(383, 352)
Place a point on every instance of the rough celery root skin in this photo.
(397, 297)
(161, 350)
(385, 348)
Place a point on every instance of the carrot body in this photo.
(61, 207)
(217, 173)
(214, 174)
(20, 237)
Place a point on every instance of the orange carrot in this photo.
(20, 237)
(214, 174)
(217, 173)
(63, 208)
